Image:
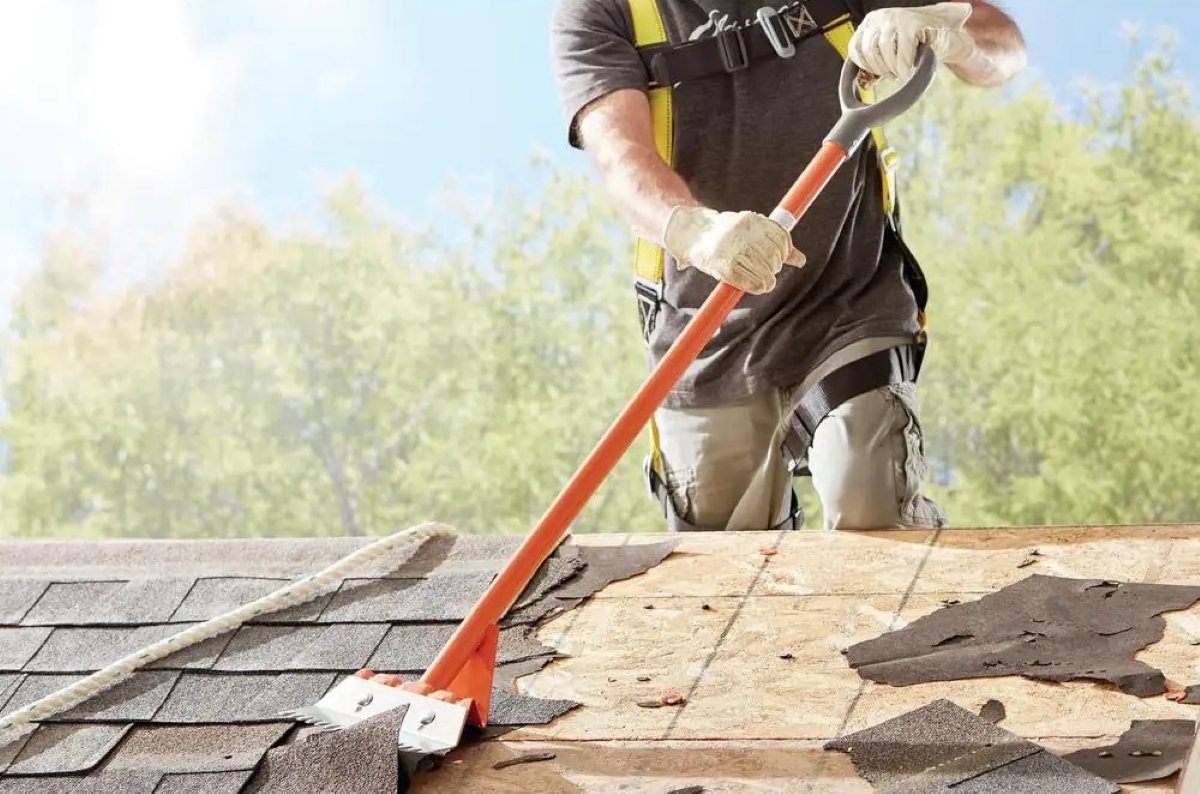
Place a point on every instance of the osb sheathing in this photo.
(755, 721)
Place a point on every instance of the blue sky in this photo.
(155, 109)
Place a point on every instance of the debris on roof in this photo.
(1149, 750)
(206, 719)
(942, 747)
(1043, 628)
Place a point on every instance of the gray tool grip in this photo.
(858, 118)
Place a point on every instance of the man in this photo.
(832, 293)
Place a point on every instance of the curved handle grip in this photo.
(858, 117)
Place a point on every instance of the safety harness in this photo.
(776, 33)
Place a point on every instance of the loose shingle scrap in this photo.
(1149, 750)
(1044, 628)
(942, 747)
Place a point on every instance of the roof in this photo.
(754, 642)
(206, 719)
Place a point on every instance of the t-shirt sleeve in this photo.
(592, 54)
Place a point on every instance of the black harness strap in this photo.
(774, 35)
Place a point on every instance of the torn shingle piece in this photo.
(547, 607)
(112, 603)
(993, 711)
(512, 709)
(1043, 627)
(18, 646)
(343, 646)
(552, 574)
(85, 650)
(360, 759)
(196, 748)
(136, 698)
(213, 596)
(942, 745)
(1149, 750)
(410, 648)
(204, 783)
(17, 597)
(62, 749)
(507, 674)
(438, 598)
(234, 698)
(608, 564)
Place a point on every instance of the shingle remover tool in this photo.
(456, 688)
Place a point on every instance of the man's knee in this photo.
(868, 463)
(721, 467)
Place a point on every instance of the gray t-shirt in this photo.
(740, 141)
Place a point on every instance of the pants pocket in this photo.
(912, 467)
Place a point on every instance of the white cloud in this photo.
(118, 100)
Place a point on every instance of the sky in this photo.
(156, 109)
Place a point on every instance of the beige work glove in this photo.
(885, 44)
(744, 249)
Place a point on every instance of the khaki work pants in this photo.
(724, 468)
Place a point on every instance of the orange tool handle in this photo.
(851, 129)
(529, 556)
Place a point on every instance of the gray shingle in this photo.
(118, 781)
(8, 685)
(42, 785)
(63, 749)
(462, 554)
(85, 650)
(18, 646)
(204, 783)
(135, 698)
(230, 698)
(17, 596)
(113, 603)
(196, 748)
(511, 709)
(283, 648)
(438, 598)
(213, 596)
(410, 648)
(361, 759)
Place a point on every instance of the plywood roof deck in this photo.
(755, 722)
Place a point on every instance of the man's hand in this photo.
(885, 45)
(744, 249)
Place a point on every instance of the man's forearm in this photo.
(999, 47)
(644, 188)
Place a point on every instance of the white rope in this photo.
(290, 595)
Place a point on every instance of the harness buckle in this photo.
(728, 52)
(777, 32)
(649, 296)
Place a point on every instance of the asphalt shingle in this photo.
(202, 720)
(113, 603)
(217, 595)
(254, 697)
(19, 645)
(441, 597)
(345, 646)
(17, 597)
(196, 748)
(85, 650)
(65, 748)
(136, 698)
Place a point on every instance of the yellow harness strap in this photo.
(649, 259)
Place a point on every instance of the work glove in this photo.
(885, 44)
(744, 249)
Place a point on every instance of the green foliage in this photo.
(1062, 252)
(352, 380)
(368, 375)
